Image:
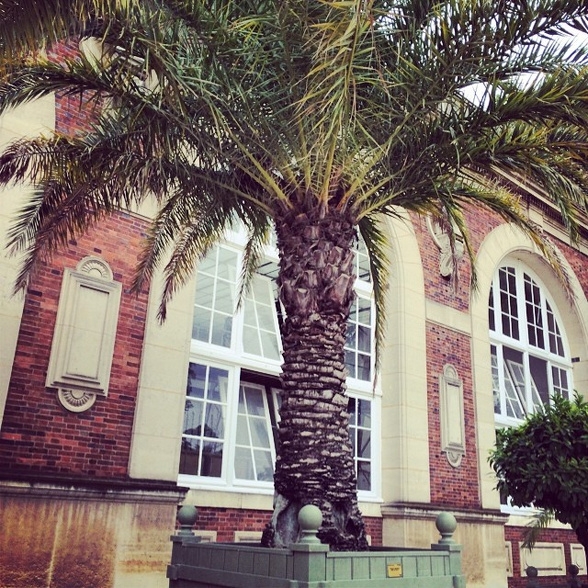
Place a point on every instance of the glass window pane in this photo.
(208, 264)
(223, 300)
(212, 459)
(227, 264)
(214, 424)
(364, 339)
(539, 383)
(364, 475)
(217, 384)
(365, 413)
(242, 431)
(264, 466)
(365, 312)
(265, 315)
(222, 327)
(196, 380)
(350, 363)
(251, 342)
(270, 347)
(249, 313)
(255, 405)
(201, 324)
(350, 342)
(259, 432)
(204, 290)
(244, 464)
(190, 457)
(364, 443)
(352, 411)
(364, 367)
(193, 417)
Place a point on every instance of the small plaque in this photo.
(394, 570)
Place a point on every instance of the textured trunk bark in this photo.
(315, 461)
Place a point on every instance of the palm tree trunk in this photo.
(315, 461)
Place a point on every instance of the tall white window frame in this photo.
(529, 351)
(245, 345)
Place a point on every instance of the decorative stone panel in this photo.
(453, 441)
(84, 336)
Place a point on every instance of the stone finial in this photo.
(446, 525)
(187, 517)
(310, 519)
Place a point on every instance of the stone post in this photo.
(446, 525)
(309, 553)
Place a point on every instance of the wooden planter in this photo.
(309, 564)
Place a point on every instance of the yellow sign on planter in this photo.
(394, 570)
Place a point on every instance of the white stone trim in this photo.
(85, 332)
(548, 558)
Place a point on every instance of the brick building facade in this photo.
(100, 443)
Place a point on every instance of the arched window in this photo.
(530, 356)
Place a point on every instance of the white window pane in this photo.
(269, 343)
(208, 264)
(364, 414)
(364, 367)
(249, 317)
(244, 464)
(364, 475)
(360, 435)
(266, 317)
(222, 326)
(190, 457)
(259, 432)
(212, 459)
(227, 264)
(264, 466)
(196, 380)
(351, 336)
(204, 421)
(205, 291)
(214, 424)
(364, 339)
(251, 342)
(217, 385)
(223, 298)
(364, 443)
(193, 417)
(242, 431)
(201, 324)
(255, 404)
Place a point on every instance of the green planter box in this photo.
(309, 564)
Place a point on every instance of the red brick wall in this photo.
(38, 434)
(74, 113)
(516, 535)
(451, 486)
(225, 521)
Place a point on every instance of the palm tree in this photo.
(316, 119)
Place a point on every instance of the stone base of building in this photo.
(481, 533)
(100, 533)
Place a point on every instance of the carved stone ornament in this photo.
(452, 415)
(447, 258)
(95, 267)
(76, 400)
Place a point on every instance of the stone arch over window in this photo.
(503, 244)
